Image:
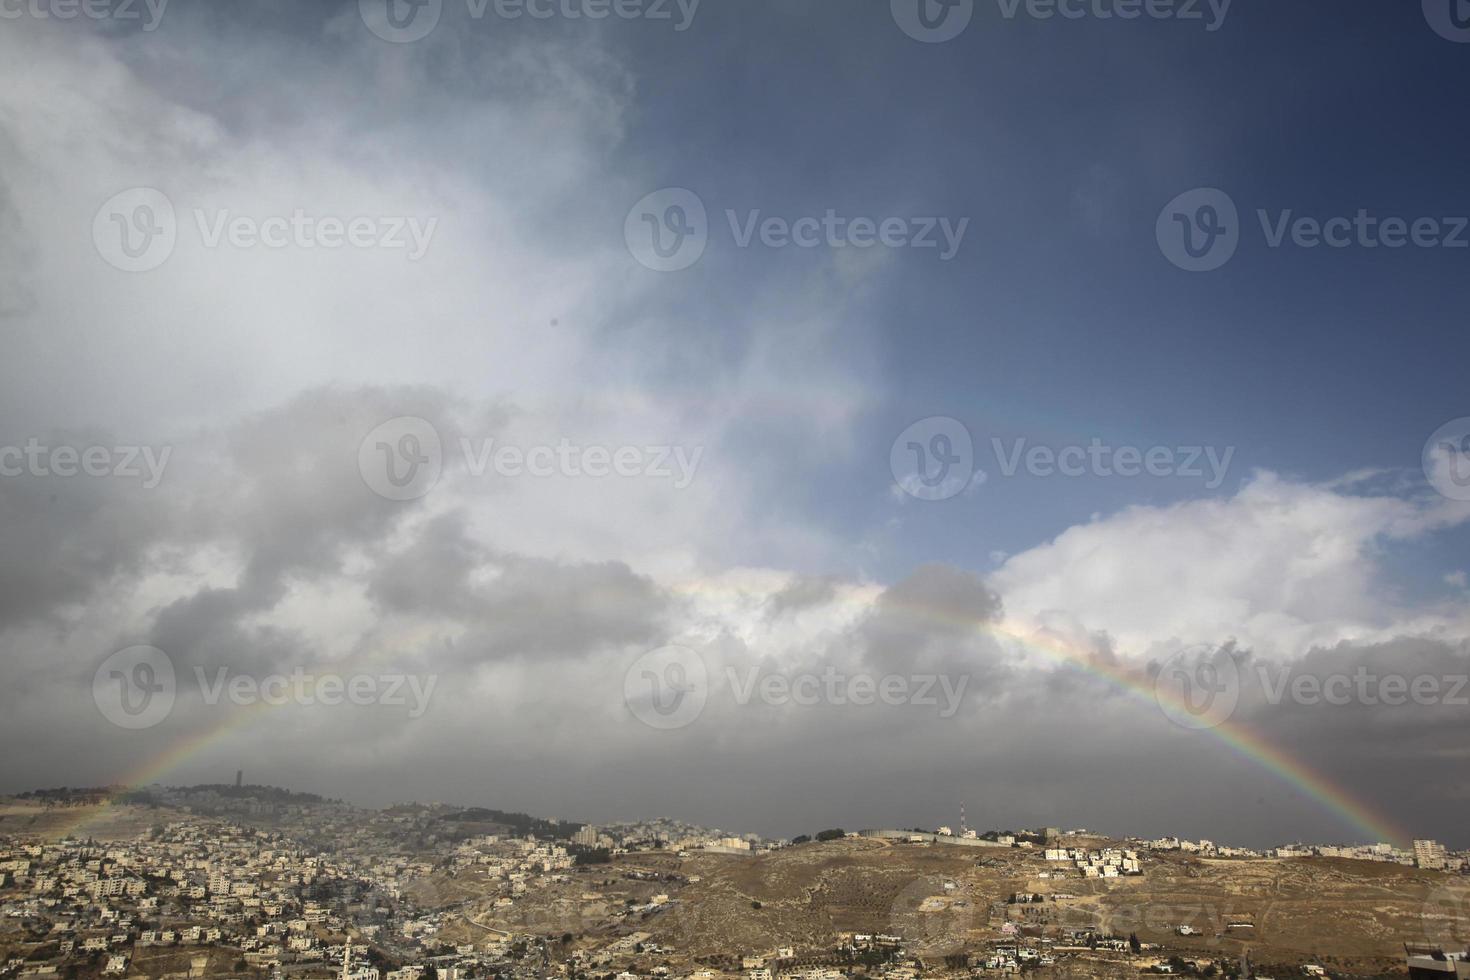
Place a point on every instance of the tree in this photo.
(800, 839)
(834, 834)
(1133, 943)
(755, 905)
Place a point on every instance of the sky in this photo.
(774, 414)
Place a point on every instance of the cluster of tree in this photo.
(266, 794)
(870, 957)
(1184, 968)
(646, 843)
(523, 824)
(70, 794)
(836, 833)
(590, 855)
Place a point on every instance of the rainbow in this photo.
(1240, 738)
(161, 765)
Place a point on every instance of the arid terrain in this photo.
(697, 907)
(31, 820)
(1353, 916)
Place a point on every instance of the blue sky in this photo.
(1061, 141)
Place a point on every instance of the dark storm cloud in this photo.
(61, 538)
(537, 606)
(804, 592)
(208, 631)
(513, 605)
(282, 488)
(935, 619)
(1390, 713)
(941, 600)
(287, 498)
(280, 496)
(432, 576)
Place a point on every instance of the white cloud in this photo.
(1281, 566)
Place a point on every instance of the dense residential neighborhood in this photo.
(262, 883)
